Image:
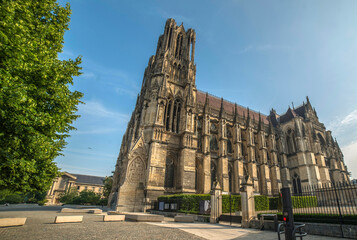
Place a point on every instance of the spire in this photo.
(222, 112)
(206, 109)
(260, 123)
(235, 120)
(271, 130)
(248, 117)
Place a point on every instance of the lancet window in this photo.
(290, 141)
(213, 173)
(213, 137)
(169, 173)
(172, 115)
(297, 184)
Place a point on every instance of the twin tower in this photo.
(181, 140)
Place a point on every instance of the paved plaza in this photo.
(39, 225)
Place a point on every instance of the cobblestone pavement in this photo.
(40, 225)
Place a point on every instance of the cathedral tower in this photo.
(182, 140)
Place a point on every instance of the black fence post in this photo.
(340, 218)
(288, 216)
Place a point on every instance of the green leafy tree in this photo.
(37, 107)
(108, 183)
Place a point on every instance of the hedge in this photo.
(261, 203)
(190, 203)
(304, 201)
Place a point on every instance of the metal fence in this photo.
(327, 203)
(180, 205)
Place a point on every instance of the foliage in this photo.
(69, 196)
(304, 201)
(85, 197)
(190, 203)
(108, 183)
(261, 203)
(231, 203)
(37, 107)
(6, 196)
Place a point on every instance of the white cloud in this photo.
(97, 131)
(88, 75)
(95, 108)
(350, 156)
(350, 118)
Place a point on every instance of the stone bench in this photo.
(83, 210)
(68, 219)
(114, 213)
(11, 222)
(113, 218)
(142, 217)
(184, 218)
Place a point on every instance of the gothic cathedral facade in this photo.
(181, 140)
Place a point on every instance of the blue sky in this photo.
(260, 54)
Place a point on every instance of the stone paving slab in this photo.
(225, 232)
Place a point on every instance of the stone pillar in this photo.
(252, 164)
(264, 168)
(216, 203)
(324, 172)
(187, 170)
(207, 156)
(237, 156)
(247, 201)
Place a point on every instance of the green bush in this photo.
(261, 203)
(190, 203)
(83, 198)
(14, 198)
(304, 201)
(232, 202)
(42, 202)
(274, 203)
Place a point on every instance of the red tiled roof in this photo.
(215, 102)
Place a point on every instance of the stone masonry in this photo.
(181, 140)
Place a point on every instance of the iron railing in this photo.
(327, 203)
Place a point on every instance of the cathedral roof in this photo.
(215, 102)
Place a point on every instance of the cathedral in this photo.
(180, 139)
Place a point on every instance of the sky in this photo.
(260, 54)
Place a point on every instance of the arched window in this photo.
(169, 173)
(172, 115)
(169, 43)
(168, 113)
(297, 184)
(230, 177)
(178, 45)
(199, 134)
(213, 143)
(290, 141)
(213, 173)
(229, 146)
